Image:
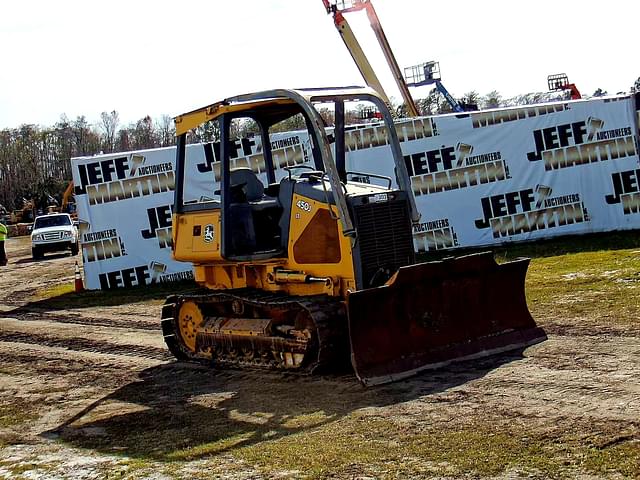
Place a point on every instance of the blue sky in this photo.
(158, 57)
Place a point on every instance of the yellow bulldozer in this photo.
(310, 270)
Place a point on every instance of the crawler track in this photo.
(325, 347)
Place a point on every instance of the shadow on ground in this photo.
(45, 258)
(183, 411)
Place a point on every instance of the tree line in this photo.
(35, 160)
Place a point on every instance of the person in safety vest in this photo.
(3, 237)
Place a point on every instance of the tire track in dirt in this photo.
(28, 315)
(87, 345)
(17, 298)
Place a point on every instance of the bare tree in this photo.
(143, 134)
(492, 99)
(207, 132)
(166, 131)
(534, 97)
(109, 126)
(123, 142)
(471, 99)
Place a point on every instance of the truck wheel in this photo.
(74, 249)
(35, 253)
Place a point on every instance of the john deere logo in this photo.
(208, 233)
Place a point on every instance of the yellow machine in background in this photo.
(309, 269)
(68, 204)
(24, 215)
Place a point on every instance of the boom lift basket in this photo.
(558, 81)
(422, 74)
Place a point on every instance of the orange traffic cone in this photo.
(78, 280)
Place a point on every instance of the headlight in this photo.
(66, 234)
(37, 237)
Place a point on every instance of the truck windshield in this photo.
(53, 221)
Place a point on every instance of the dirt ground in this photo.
(75, 382)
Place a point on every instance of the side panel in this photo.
(312, 242)
(196, 236)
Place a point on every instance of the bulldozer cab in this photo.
(254, 197)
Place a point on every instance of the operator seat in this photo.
(254, 216)
(245, 179)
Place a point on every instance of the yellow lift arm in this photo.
(366, 70)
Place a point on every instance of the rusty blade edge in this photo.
(540, 336)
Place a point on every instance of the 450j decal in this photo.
(304, 206)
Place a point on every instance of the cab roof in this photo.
(269, 106)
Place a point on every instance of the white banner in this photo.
(521, 174)
(481, 178)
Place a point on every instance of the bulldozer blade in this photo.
(431, 314)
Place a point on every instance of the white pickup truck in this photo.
(53, 233)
